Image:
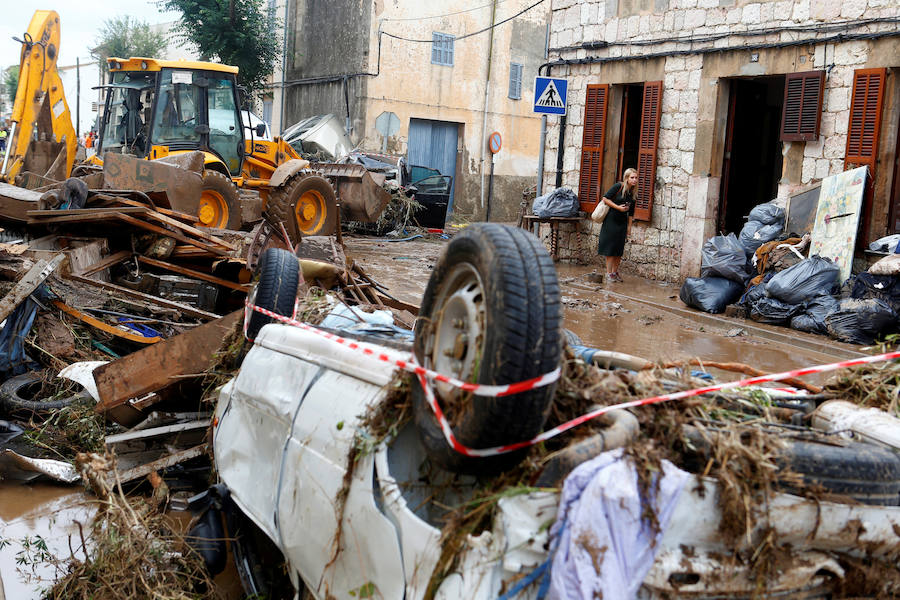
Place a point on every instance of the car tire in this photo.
(17, 394)
(306, 204)
(276, 290)
(220, 202)
(867, 473)
(496, 285)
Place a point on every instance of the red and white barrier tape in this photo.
(425, 375)
(411, 365)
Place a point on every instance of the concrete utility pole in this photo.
(487, 91)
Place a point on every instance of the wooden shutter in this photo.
(862, 133)
(802, 111)
(592, 143)
(650, 114)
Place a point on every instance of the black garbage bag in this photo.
(755, 234)
(773, 311)
(767, 214)
(814, 313)
(710, 294)
(810, 277)
(754, 293)
(561, 202)
(883, 287)
(861, 321)
(723, 256)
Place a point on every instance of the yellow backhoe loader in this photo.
(42, 139)
(157, 108)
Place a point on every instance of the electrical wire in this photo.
(468, 35)
(741, 33)
(459, 12)
(841, 37)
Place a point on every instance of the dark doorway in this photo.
(629, 141)
(752, 163)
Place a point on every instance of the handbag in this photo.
(600, 212)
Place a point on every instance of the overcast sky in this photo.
(80, 23)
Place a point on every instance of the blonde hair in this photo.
(625, 176)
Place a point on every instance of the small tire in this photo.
(220, 202)
(306, 204)
(276, 290)
(867, 473)
(490, 314)
(260, 565)
(18, 394)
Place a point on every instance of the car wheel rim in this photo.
(213, 211)
(459, 327)
(310, 212)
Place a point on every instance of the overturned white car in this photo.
(311, 493)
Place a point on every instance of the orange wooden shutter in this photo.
(650, 114)
(592, 144)
(862, 133)
(802, 111)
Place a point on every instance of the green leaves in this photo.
(234, 32)
(124, 37)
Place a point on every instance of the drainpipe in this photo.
(284, 48)
(560, 151)
(487, 89)
(540, 168)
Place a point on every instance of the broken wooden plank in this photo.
(155, 367)
(192, 230)
(185, 309)
(16, 201)
(71, 212)
(164, 430)
(120, 200)
(112, 259)
(93, 322)
(195, 274)
(30, 282)
(172, 234)
(162, 463)
(95, 217)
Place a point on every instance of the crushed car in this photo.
(336, 472)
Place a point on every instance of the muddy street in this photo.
(639, 317)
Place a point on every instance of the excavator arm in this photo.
(40, 103)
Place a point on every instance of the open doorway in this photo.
(629, 140)
(752, 162)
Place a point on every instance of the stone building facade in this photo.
(722, 104)
(360, 59)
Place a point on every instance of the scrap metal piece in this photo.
(22, 468)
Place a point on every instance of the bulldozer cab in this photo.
(154, 108)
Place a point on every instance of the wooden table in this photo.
(528, 222)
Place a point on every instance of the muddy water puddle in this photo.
(29, 514)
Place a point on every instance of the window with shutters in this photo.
(515, 81)
(646, 165)
(442, 49)
(592, 143)
(862, 131)
(802, 111)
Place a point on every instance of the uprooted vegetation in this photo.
(130, 550)
(736, 438)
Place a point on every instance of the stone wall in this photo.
(694, 104)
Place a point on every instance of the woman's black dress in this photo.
(615, 225)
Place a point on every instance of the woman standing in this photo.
(617, 225)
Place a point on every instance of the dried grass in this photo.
(130, 552)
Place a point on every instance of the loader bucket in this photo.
(361, 195)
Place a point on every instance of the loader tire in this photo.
(220, 202)
(490, 314)
(306, 204)
(276, 290)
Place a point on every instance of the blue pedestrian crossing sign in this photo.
(550, 95)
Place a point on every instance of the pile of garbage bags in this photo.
(777, 284)
(561, 202)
